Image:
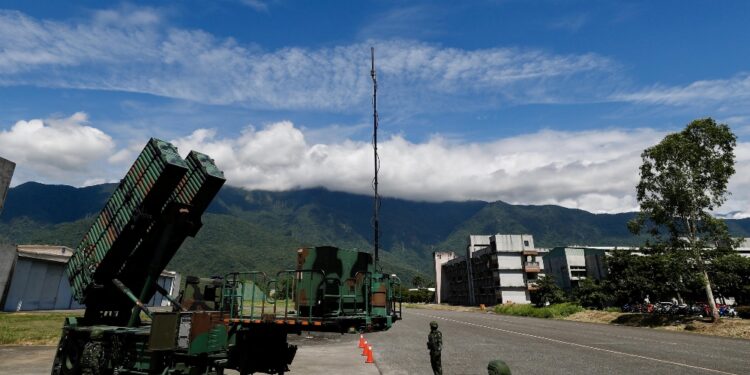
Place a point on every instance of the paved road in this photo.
(539, 346)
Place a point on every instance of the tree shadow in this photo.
(655, 320)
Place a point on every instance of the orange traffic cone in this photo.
(364, 349)
(369, 355)
(361, 341)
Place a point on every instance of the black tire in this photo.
(67, 358)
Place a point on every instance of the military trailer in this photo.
(330, 290)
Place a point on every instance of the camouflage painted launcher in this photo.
(118, 241)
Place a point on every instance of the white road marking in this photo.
(580, 345)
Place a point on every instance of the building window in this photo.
(577, 271)
(525, 243)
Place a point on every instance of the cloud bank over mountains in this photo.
(592, 170)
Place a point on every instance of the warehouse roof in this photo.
(53, 253)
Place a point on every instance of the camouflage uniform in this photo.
(435, 344)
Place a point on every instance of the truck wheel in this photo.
(67, 359)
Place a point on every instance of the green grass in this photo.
(548, 312)
(31, 328)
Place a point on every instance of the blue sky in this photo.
(532, 102)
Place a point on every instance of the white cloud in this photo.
(133, 50)
(735, 89)
(57, 149)
(258, 5)
(593, 170)
(573, 22)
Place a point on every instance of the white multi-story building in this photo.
(442, 286)
(500, 268)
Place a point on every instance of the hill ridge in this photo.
(261, 229)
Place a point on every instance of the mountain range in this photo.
(244, 230)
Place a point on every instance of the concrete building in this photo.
(744, 248)
(32, 277)
(442, 286)
(569, 265)
(496, 269)
(6, 173)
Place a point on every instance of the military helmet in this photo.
(433, 324)
(498, 367)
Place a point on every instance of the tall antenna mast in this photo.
(376, 208)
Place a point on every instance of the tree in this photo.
(547, 291)
(630, 278)
(731, 276)
(418, 281)
(590, 293)
(684, 178)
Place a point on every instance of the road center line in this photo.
(580, 345)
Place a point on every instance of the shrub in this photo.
(559, 310)
(743, 312)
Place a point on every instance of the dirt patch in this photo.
(738, 328)
(594, 316)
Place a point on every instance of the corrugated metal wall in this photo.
(38, 285)
(41, 285)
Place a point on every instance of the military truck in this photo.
(239, 321)
(116, 266)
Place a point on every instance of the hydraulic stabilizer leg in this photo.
(129, 293)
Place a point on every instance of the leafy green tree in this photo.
(731, 276)
(590, 293)
(418, 282)
(683, 178)
(632, 277)
(547, 291)
(628, 280)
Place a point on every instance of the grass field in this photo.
(560, 310)
(32, 328)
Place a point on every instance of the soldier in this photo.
(435, 344)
